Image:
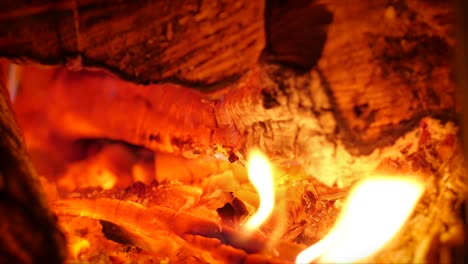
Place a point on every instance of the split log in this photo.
(376, 56)
(28, 230)
(204, 44)
(304, 94)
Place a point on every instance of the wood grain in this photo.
(385, 66)
(204, 44)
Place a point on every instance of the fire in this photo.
(261, 176)
(375, 211)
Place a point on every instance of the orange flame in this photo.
(261, 176)
(375, 211)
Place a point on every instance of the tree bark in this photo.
(371, 85)
(28, 230)
(376, 55)
(203, 44)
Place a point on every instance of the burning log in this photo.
(142, 41)
(288, 111)
(29, 232)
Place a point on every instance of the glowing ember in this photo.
(261, 176)
(78, 247)
(375, 211)
(108, 179)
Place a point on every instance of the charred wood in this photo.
(375, 80)
(195, 43)
(28, 230)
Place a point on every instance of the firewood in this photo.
(196, 43)
(429, 236)
(375, 80)
(159, 221)
(28, 233)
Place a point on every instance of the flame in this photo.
(375, 211)
(261, 176)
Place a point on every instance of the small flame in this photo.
(375, 211)
(261, 176)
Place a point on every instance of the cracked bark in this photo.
(340, 99)
(195, 43)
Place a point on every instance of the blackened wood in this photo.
(204, 44)
(462, 90)
(28, 230)
(383, 68)
(296, 32)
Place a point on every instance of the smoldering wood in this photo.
(397, 56)
(428, 237)
(204, 44)
(394, 66)
(296, 32)
(462, 89)
(28, 230)
(155, 222)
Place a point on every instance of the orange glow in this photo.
(375, 211)
(108, 179)
(261, 177)
(78, 247)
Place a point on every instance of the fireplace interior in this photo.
(221, 131)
